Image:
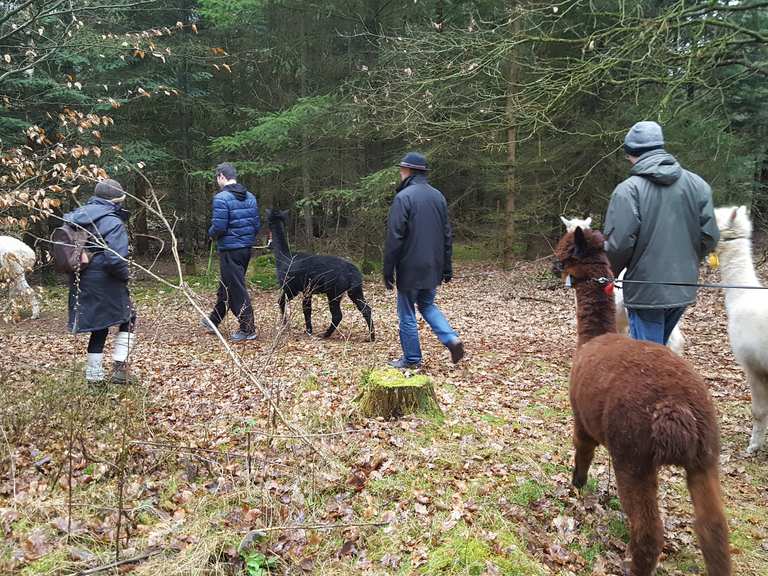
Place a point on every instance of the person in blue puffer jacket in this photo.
(234, 226)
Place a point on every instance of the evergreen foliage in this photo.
(315, 103)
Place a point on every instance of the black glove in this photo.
(389, 282)
(447, 277)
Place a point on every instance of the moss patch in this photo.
(462, 553)
(262, 272)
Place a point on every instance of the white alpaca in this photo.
(676, 341)
(747, 312)
(16, 258)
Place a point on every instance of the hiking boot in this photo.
(401, 364)
(242, 336)
(457, 350)
(94, 373)
(209, 326)
(121, 373)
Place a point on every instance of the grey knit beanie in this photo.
(109, 190)
(643, 137)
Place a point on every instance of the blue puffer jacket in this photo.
(235, 221)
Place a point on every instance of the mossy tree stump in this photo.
(391, 394)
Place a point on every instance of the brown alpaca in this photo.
(648, 407)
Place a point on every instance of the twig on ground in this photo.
(111, 565)
(321, 526)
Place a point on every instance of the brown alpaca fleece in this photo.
(648, 407)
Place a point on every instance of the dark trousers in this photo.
(99, 338)
(233, 292)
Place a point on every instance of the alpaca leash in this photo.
(603, 281)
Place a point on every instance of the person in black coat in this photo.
(417, 258)
(98, 295)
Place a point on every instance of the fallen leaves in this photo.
(497, 467)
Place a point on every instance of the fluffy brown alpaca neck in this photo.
(595, 310)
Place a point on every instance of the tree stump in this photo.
(391, 394)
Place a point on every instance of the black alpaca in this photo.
(309, 274)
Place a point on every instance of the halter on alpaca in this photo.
(648, 407)
(676, 339)
(309, 274)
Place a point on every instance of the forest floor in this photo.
(187, 463)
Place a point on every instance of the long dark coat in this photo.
(419, 241)
(99, 298)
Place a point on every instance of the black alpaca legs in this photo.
(306, 306)
(334, 304)
(335, 307)
(356, 295)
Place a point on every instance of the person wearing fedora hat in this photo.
(659, 226)
(98, 294)
(417, 258)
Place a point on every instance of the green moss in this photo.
(590, 553)
(310, 385)
(464, 554)
(52, 563)
(743, 540)
(618, 528)
(528, 492)
(262, 272)
(392, 378)
(491, 419)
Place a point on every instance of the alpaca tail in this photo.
(674, 434)
(711, 526)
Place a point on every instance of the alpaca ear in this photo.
(734, 213)
(588, 221)
(580, 243)
(565, 221)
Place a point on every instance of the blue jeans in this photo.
(653, 324)
(407, 301)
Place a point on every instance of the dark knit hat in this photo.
(643, 137)
(109, 190)
(414, 161)
(227, 170)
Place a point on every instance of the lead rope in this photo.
(603, 280)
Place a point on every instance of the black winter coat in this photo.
(419, 240)
(102, 299)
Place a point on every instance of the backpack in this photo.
(68, 246)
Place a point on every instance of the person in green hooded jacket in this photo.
(660, 224)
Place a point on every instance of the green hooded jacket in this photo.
(660, 224)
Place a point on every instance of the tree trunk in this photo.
(188, 230)
(305, 181)
(759, 208)
(392, 394)
(511, 141)
(140, 221)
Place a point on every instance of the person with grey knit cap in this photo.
(98, 295)
(660, 224)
